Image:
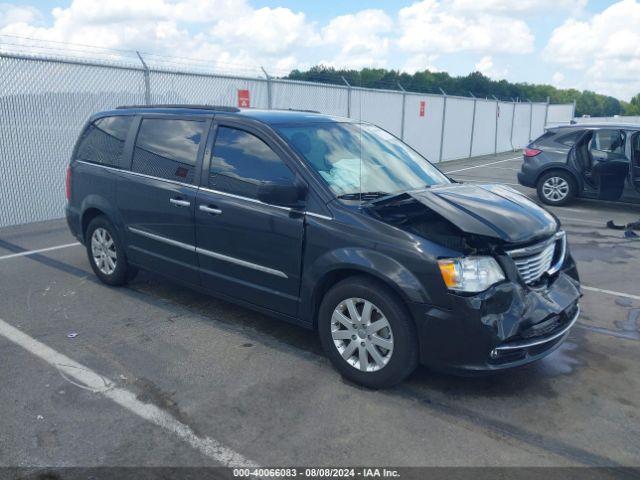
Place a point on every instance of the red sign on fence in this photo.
(423, 105)
(243, 99)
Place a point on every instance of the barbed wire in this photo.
(81, 52)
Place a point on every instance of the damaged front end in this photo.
(514, 319)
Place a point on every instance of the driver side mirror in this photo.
(284, 193)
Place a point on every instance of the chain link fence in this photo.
(44, 102)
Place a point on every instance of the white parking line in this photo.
(101, 385)
(41, 250)
(483, 165)
(611, 292)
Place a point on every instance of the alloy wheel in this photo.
(362, 334)
(103, 249)
(555, 189)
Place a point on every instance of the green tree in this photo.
(425, 81)
(633, 107)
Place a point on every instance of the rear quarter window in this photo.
(167, 148)
(569, 139)
(103, 141)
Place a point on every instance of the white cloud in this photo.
(604, 48)
(268, 30)
(361, 37)
(214, 31)
(434, 27)
(557, 78)
(516, 5)
(486, 66)
(421, 62)
(10, 14)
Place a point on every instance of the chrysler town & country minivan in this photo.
(328, 223)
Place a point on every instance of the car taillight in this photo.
(68, 184)
(531, 152)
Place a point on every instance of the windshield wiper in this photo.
(362, 195)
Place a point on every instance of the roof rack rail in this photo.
(301, 110)
(219, 108)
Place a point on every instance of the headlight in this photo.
(470, 274)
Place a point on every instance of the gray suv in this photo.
(591, 161)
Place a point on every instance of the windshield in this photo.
(357, 159)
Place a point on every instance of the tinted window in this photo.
(611, 141)
(241, 161)
(570, 138)
(103, 141)
(168, 148)
(545, 136)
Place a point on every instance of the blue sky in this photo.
(584, 44)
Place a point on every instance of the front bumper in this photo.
(506, 326)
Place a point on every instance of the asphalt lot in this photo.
(177, 378)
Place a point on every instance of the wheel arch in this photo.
(339, 264)
(561, 168)
(93, 206)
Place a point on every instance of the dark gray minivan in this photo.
(327, 223)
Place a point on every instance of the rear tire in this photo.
(106, 253)
(377, 349)
(557, 188)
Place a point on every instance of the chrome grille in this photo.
(536, 260)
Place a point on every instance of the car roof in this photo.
(270, 117)
(621, 125)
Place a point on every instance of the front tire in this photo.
(106, 253)
(367, 333)
(556, 188)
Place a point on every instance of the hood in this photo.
(489, 210)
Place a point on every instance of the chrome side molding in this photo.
(162, 239)
(242, 263)
(208, 253)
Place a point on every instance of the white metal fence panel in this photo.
(539, 113)
(329, 99)
(379, 107)
(423, 132)
(505, 117)
(45, 101)
(173, 87)
(457, 128)
(43, 106)
(615, 119)
(484, 128)
(521, 125)
(560, 114)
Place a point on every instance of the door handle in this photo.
(178, 202)
(211, 210)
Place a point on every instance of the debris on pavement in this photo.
(628, 228)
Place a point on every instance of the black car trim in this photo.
(208, 253)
